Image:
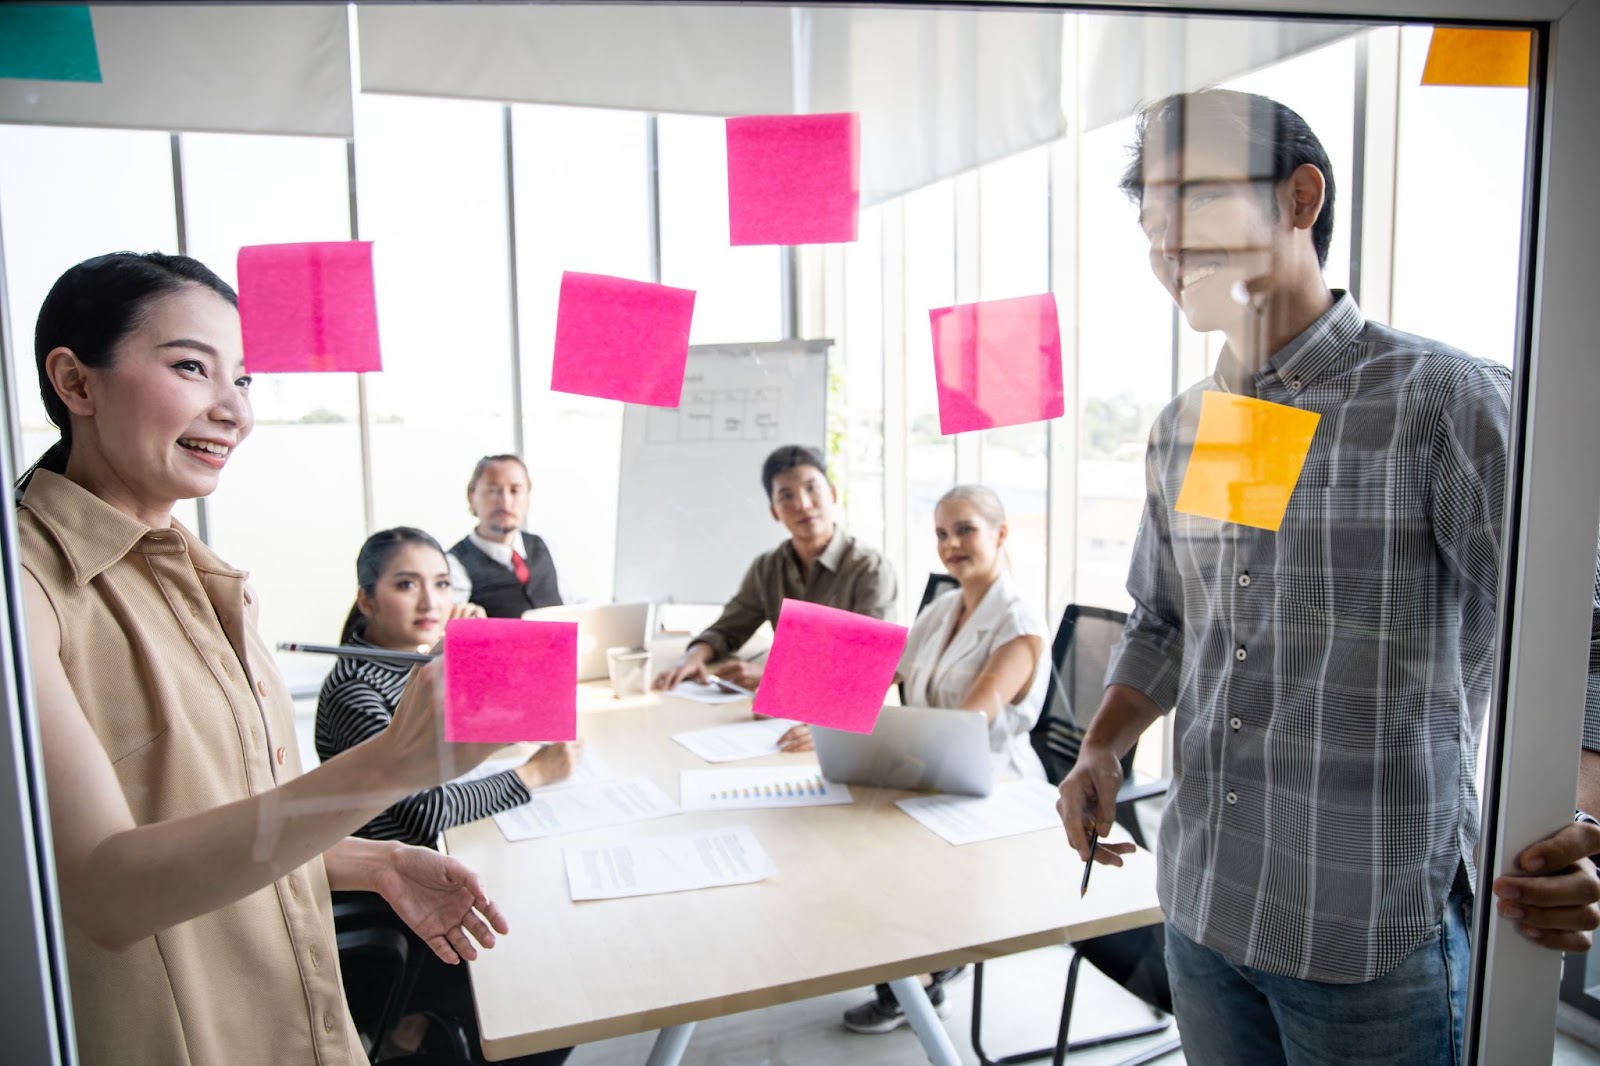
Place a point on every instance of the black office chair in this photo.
(1134, 959)
(937, 583)
(379, 962)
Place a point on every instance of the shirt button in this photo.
(1240, 654)
(281, 754)
(1233, 798)
(1294, 385)
(316, 960)
(1234, 722)
(261, 689)
(1244, 581)
(294, 888)
(327, 1023)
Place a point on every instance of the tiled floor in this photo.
(1022, 998)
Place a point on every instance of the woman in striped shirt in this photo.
(402, 604)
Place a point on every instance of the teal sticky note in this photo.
(47, 42)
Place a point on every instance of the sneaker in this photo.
(883, 1014)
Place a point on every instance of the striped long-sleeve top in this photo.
(357, 700)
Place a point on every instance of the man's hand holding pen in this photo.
(1088, 806)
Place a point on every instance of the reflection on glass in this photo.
(738, 294)
(246, 190)
(431, 180)
(930, 264)
(582, 187)
(859, 362)
(1314, 583)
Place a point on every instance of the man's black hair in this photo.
(786, 459)
(1278, 139)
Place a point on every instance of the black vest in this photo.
(497, 590)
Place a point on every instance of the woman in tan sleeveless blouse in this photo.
(194, 858)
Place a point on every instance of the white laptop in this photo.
(922, 748)
(600, 626)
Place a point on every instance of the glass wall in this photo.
(583, 204)
(476, 209)
(431, 188)
(295, 470)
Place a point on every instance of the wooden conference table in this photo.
(863, 894)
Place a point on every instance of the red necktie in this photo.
(520, 566)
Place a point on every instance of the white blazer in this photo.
(938, 669)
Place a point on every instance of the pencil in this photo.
(354, 651)
(728, 686)
(1088, 866)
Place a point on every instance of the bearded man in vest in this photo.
(500, 566)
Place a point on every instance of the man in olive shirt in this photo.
(819, 563)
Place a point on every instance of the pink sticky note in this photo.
(794, 179)
(308, 307)
(621, 340)
(997, 363)
(829, 667)
(507, 680)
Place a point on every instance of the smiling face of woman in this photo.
(969, 544)
(160, 422)
(410, 602)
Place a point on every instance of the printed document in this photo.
(572, 810)
(1021, 807)
(727, 856)
(741, 740)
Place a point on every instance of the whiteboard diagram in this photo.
(691, 514)
(749, 414)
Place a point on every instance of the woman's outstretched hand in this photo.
(442, 901)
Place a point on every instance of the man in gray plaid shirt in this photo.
(1329, 678)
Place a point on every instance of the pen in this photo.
(1088, 866)
(729, 686)
(354, 651)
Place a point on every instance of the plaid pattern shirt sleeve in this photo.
(1329, 678)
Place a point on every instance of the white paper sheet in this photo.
(706, 692)
(730, 855)
(741, 740)
(591, 769)
(572, 810)
(763, 786)
(489, 768)
(1022, 807)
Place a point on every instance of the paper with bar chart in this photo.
(762, 786)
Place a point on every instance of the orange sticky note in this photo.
(1246, 459)
(1478, 57)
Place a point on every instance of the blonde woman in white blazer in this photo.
(980, 646)
(977, 647)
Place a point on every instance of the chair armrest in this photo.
(1143, 790)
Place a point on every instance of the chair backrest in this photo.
(937, 583)
(1079, 656)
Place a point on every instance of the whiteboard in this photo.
(691, 513)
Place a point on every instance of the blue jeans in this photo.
(1412, 1016)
